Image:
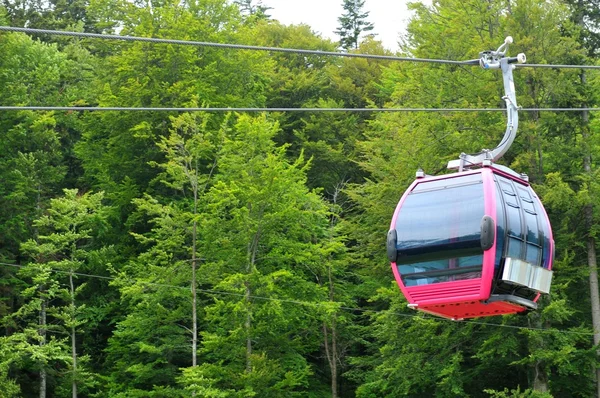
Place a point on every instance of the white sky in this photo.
(389, 17)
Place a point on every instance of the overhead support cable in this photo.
(256, 110)
(265, 48)
(226, 45)
(557, 66)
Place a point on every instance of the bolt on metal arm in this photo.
(497, 60)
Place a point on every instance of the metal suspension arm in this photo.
(497, 60)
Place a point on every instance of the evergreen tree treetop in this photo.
(353, 23)
(254, 8)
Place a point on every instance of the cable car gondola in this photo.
(476, 242)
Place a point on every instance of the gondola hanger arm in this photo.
(497, 60)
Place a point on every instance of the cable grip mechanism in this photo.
(497, 60)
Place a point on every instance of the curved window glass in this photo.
(526, 230)
(452, 269)
(439, 231)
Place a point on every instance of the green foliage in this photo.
(11, 357)
(31, 167)
(53, 14)
(528, 393)
(49, 308)
(253, 11)
(353, 24)
(158, 297)
(276, 221)
(265, 230)
(397, 144)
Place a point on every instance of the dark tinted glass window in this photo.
(533, 254)
(441, 270)
(524, 220)
(513, 214)
(531, 215)
(515, 248)
(439, 231)
(512, 207)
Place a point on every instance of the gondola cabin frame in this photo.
(470, 244)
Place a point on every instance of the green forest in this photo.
(242, 254)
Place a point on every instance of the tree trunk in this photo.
(595, 300)
(42, 320)
(594, 295)
(540, 373)
(248, 327)
(42, 333)
(73, 342)
(252, 250)
(331, 350)
(194, 292)
(331, 354)
(540, 381)
(591, 240)
(334, 371)
(331, 343)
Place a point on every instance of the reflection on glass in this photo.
(439, 232)
(514, 220)
(527, 228)
(453, 269)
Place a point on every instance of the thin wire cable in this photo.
(285, 50)
(183, 109)
(272, 49)
(558, 66)
(308, 303)
(109, 278)
(228, 45)
(308, 110)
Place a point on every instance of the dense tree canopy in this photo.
(173, 254)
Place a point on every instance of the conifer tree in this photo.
(51, 308)
(254, 9)
(353, 23)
